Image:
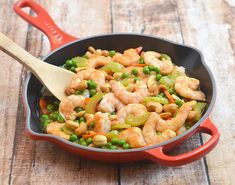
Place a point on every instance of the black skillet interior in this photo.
(181, 55)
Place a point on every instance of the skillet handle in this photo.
(43, 22)
(157, 155)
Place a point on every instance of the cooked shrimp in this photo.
(98, 61)
(89, 74)
(89, 118)
(175, 123)
(187, 87)
(153, 85)
(140, 91)
(55, 129)
(133, 109)
(102, 122)
(133, 136)
(152, 58)
(128, 58)
(149, 131)
(68, 105)
(110, 103)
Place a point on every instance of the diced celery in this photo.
(112, 67)
(168, 81)
(80, 61)
(136, 121)
(199, 108)
(90, 107)
(158, 99)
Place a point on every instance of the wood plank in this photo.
(42, 162)
(9, 88)
(210, 26)
(158, 18)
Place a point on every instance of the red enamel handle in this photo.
(43, 22)
(158, 155)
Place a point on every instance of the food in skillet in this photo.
(122, 101)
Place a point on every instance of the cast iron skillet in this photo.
(65, 47)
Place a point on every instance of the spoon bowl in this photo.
(56, 79)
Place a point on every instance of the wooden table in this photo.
(208, 25)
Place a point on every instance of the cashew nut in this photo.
(99, 140)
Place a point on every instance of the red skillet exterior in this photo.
(155, 153)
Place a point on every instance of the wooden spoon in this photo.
(56, 79)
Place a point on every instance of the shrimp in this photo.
(134, 109)
(67, 106)
(88, 74)
(187, 87)
(98, 61)
(140, 91)
(102, 122)
(175, 123)
(152, 58)
(149, 131)
(133, 136)
(128, 58)
(54, 128)
(153, 85)
(110, 103)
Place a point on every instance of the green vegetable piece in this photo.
(146, 70)
(136, 79)
(158, 99)
(50, 107)
(158, 77)
(125, 75)
(113, 113)
(172, 90)
(92, 124)
(81, 140)
(151, 68)
(91, 84)
(165, 57)
(80, 61)
(73, 138)
(81, 119)
(199, 108)
(44, 118)
(54, 116)
(112, 67)
(89, 141)
(90, 107)
(78, 109)
(112, 147)
(121, 142)
(125, 146)
(73, 69)
(168, 81)
(178, 102)
(114, 141)
(60, 118)
(134, 72)
(141, 61)
(46, 123)
(112, 53)
(83, 143)
(118, 126)
(158, 133)
(67, 130)
(69, 63)
(111, 135)
(136, 121)
(125, 82)
(109, 144)
(92, 92)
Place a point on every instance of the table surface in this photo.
(207, 25)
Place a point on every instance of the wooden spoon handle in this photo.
(18, 53)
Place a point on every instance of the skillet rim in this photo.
(46, 137)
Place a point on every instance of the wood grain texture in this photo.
(35, 160)
(9, 88)
(159, 18)
(209, 26)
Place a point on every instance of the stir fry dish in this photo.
(123, 100)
